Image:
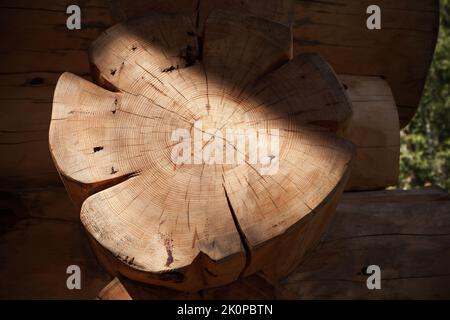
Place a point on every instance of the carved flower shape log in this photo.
(193, 226)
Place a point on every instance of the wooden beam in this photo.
(401, 51)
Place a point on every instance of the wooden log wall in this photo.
(409, 231)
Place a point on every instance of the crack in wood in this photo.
(244, 241)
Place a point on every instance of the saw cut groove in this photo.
(203, 152)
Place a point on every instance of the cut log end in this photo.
(205, 162)
(374, 129)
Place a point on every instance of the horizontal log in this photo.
(401, 51)
(402, 231)
(402, 234)
(35, 254)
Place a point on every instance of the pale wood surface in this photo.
(374, 129)
(191, 227)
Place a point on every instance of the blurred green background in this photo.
(425, 142)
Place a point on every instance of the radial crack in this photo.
(244, 241)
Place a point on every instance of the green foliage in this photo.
(425, 142)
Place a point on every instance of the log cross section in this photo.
(199, 224)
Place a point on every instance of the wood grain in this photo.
(401, 51)
(193, 226)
